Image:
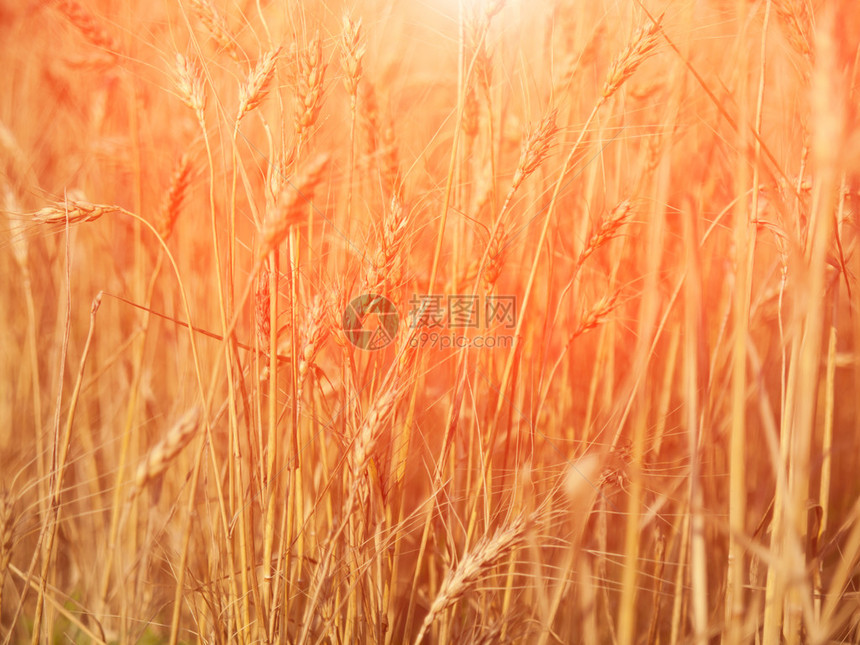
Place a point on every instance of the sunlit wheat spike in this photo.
(292, 204)
(189, 81)
(597, 315)
(609, 229)
(371, 427)
(487, 552)
(352, 53)
(579, 480)
(172, 204)
(477, 24)
(74, 212)
(535, 148)
(386, 267)
(310, 85)
(258, 84)
(166, 450)
(217, 26)
(637, 52)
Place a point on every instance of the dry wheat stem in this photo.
(61, 448)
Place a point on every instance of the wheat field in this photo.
(429, 321)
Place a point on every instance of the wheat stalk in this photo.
(487, 552)
(20, 247)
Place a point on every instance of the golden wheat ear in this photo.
(292, 204)
(258, 83)
(74, 212)
(156, 462)
(487, 552)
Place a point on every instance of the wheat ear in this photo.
(172, 204)
(608, 230)
(487, 552)
(291, 204)
(637, 52)
(74, 212)
(165, 451)
(189, 82)
(217, 27)
(258, 84)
